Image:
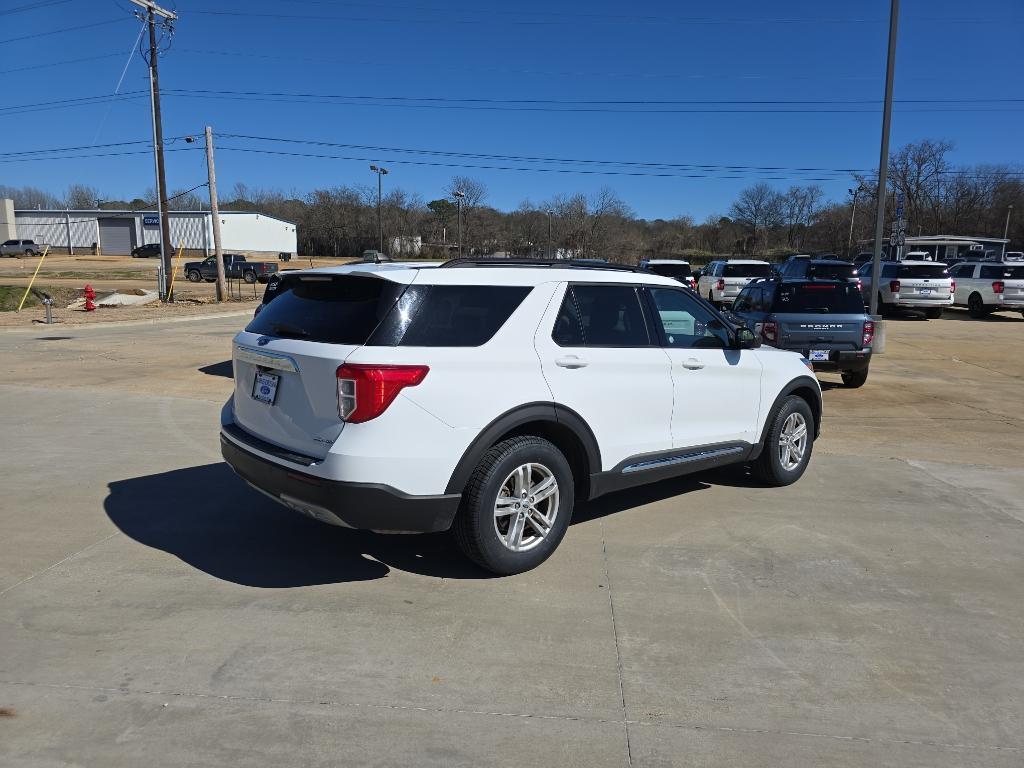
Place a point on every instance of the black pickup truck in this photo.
(235, 268)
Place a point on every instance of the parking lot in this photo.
(155, 608)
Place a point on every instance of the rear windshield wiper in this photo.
(284, 329)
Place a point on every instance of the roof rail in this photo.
(556, 263)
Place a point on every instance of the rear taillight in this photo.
(860, 285)
(894, 286)
(770, 331)
(869, 333)
(998, 286)
(365, 391)
(720, 285)
(952, 287)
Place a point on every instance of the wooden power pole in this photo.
(152, 11)
(215, 216)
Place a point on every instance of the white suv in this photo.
(986, 287)
(722, 281)
(910, 285)
(488, 396)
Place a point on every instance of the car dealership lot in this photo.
(154, 607)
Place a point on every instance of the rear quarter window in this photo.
(1002, 272)
(450, 315)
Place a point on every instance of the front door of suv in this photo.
(717, 389)
(601, 360)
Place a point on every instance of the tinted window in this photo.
(837, 271)
(11, 242)
(605, 316)
(455, 315)
(745, 301)
(333, 309)
(889, 270)
(923, 270)
(670, 270)
(820, 298)
(747, 270)
(685, 323)
(1002, 272)
(962, 270)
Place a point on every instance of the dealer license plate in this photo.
(264, 388)
(819, 355)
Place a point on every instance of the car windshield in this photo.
(819, 298)
(747, 270)
(835, 271)
(670, 270)
(923, 270)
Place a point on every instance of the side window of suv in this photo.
(684, 323)
(601, 316)
(889, 270)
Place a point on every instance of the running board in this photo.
(686, 458)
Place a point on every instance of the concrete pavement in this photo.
(155, 609)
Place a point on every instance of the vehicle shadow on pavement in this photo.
(223, 368)
(210, 519)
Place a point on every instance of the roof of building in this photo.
(104, 212)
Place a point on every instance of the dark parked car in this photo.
(803, 268)
(235, 268)
(147, 251)
(822, 319)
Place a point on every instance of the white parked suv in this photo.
(721, 281)
(488, 396)
(985, 287)
(677, 269)
(910, 285)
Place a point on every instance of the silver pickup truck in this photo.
(21, 248)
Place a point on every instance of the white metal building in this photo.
(118, 232)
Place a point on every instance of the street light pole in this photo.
(551, 253)
(381, 172)
(1006, 227)
(883, 160)
(849, 240)
(458, 199)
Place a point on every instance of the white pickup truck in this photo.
(19, 248)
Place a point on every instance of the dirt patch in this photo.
(7, 712)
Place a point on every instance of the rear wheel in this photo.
(882, 311)
(854, 379)
(194, 276)
(976, 306)
(517, 505)
(249, 277)
(787, 444)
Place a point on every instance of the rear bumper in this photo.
(369, 506)
(841, 360)
(926, 303)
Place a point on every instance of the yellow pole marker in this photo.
(174, 273)
(46, 250)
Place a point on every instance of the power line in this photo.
(59, 63)
(72, 149)
(91, 155)
(33, 6)
(20, 38)
(85, 101)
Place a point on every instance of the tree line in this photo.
(939, 198)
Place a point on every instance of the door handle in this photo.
(570, 361)
(692, 364)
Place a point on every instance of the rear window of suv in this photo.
(818, 298)
(358, 309)
(747, 270)
(932, 271)
(670, 270)
(837, 271)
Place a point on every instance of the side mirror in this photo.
(747, 339)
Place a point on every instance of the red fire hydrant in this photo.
(89, 294)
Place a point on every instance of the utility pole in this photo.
(1006, 227)
(849, 240)
(211, 173)
(458, 199)
(152, 11)
(883, 163)
(551, 253)
(381, 173)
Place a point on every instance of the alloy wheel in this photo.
(526, 507)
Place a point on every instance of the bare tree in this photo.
(759, 208)
(81, 196)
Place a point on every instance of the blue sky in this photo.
(533, 61)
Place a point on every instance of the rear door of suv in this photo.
(601, 359)
(815, 318)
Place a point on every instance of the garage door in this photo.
(117, 236)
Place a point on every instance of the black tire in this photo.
(854, 379)
(768, 467)
(30, 253)
(249, 277)
(882, 310)
(194, 276)
(976, 306)
(476, 531)
(933, 313)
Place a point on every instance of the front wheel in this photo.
(194, 276)
(787, 444)
(517, 505)
(855, 379)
